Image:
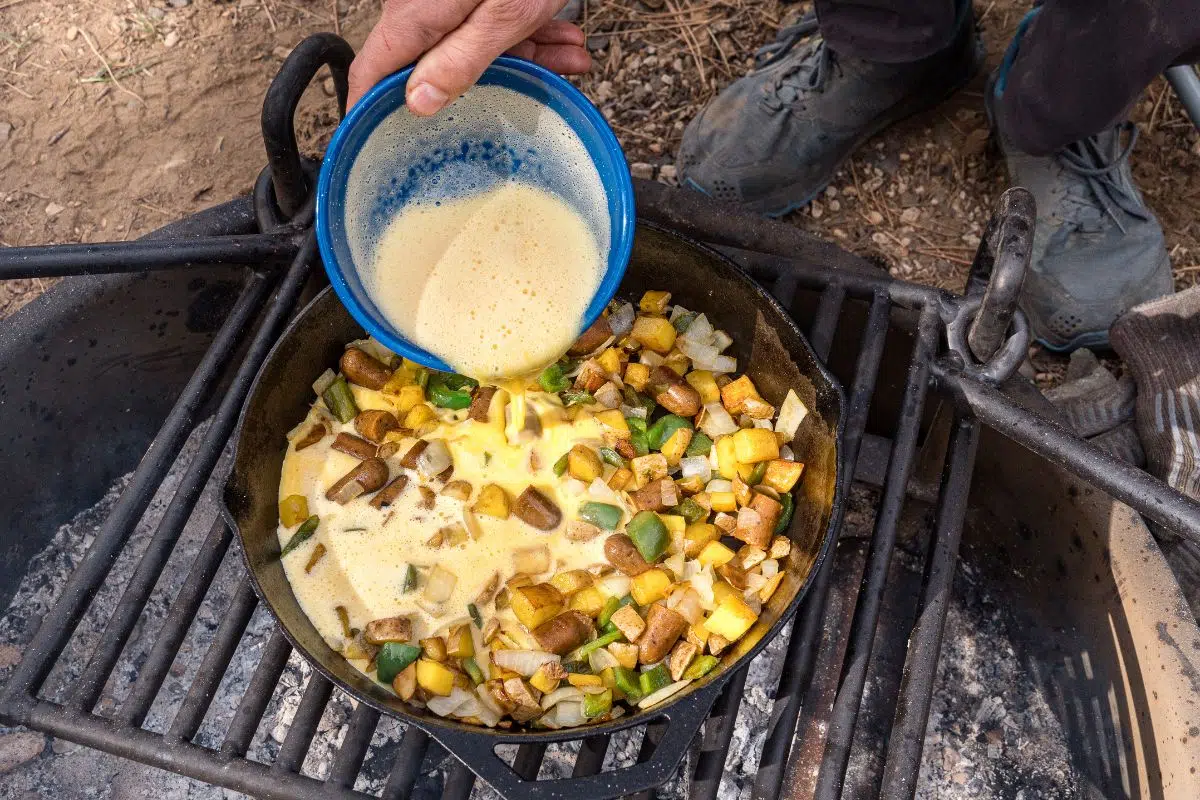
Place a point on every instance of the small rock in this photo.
(62, 747)
(976, 142)
(570, 11)
(171, 39)
(329, 87)
(667, 174)
(54, 209)
(816, 210)
(835, 205)
(597, 43)
(280, 52)
(9, 654)
(154, 12)
(874, 217)
(910, 215)
(5, 131)
(18, 748)
(178, 3)
(72, 33)
(642, 170)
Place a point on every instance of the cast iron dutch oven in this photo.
(768, 346)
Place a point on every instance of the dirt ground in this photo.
(117, 116)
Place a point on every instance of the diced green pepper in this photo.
(664, 428)
(654, 679)
(785, 517)
(448, 390)
(627, 681)
(684, 321)
(577, 668)
(610, 607)
(700, 445)
(597, 704)
(302, 535)
(421, 377)
(608, 627)
(552, 379)
(581, 652)
(649, 535)
(610, 456)
(690, 510)
(572, 397)
(394, 658)
(638, 400)
(756, 474)
(637, 435)
(701, 667)
(409, 581)
(560, 466)
(476, 617)
(340, 400)
(602, 515)
(472, 669)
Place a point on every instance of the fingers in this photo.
(457, 61)
(406, 29)
(558, 31)
(558, 46)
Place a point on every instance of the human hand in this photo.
(453, 41)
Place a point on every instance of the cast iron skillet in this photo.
(768, 346)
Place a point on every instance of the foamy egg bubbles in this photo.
(481, 234)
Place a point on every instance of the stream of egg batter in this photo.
(496, 284)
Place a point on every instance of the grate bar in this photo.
(591, 756)
(350, 755)
(234, 620)
(718, 732)
(459, 782)
(529, 760)
(806, 630)
(920, 666)
(175, 627)
(829, 310)
(59, 624)
(883, 540)
(304, 725)
(124, 618)
(407, 766)
(650, 740)
(258, 694)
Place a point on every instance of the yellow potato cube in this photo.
(654, 302)
(677, 362)
(782, 475)
(723, 501)
(649, 586)
(580, 680)
(293, 510)
(654, 333)
(493, 501)
(588, 601)
(543, 680)
(723, 589)
(629, 622)
(735, 394)
(698, 635)
(770, 586)
(715, 553)
(675, 447)
(614, 421)
(697, 535)
(752, 445)
(407, 398)
(610, 360)
(435, 678)
(571, 581)
(620, 479)
(727, 462)
(417, 416)
(637, 375)
(731, 618)
(535, 604)
(583, 463)
(626, 654)
(459, 643)
(703, 382)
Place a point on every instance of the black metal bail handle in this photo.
(998, 272)
(279, 111)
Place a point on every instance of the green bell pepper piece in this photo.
(394, 658)
(602, 515)
(577, 667)
(472, 669)
(597, 704)
(649, 535)
(785, 517)
(690, 510)
(700, 445)
(560, 466)
(409, 581)
(572, 397)
(654, 679)
(701, 667)
(627, 681)
(476, 617)
(340, 400)
(581, 652)
(756, 474)
(637, 435)
(302, 535)
(552, 379)
(610, 607)
(610, 456)
(684, 321)
(664, 428)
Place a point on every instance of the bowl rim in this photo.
(622, 227)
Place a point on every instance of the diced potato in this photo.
(654, 333)
(620, 479)
(768, 589)
(693, 485)
(752, 445)
(741, 491)
(536, 604)
(583, 463)
(715, 554)
(648, 468)
(625, 653)
(654, 302)
(547, 677)
(675, 447)
(676, 525)
(717, 644)
(649, 586)
(782, 475)
(405, 683)
(388, 629)
(614, 421)
(610, 359)
(521, 696)
(698, 635)
(757, 408)
(418, 415)
(723, 501)
(571, 581)
(727, 461)
(629, 622)
(293, 510)
(677, 362)
(750, 556)
(434, 648)
(580, 680)
(697, 535)
(493, 501)
(589, 601)
(780, 547)
(637, 375)
(435, 678)
(459, 643)
(735, 394)
(681, 656)
(731, 618)
(407, 398)
(531, 560)
(703, 382)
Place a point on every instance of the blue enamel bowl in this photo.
(355, 205)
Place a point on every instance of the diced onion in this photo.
(574, 486)
(723, 364)
(761, 423)
(791, 413)
(769, 568)
(600, 659)
(523, 662)
(568, 715)
(488, 717)
(676, 313)
(754, 582)
(621, 320)
(435, 459)
(439, 586)
(690, 568)
(700, 331)
(486, 699)
(719, 485)
(715, 420)
(445, 706)
(787, 454)
(651, 358)
(675, 564)
(696, 467)
(532, 560)
(324, 381)
(702, 582)
(558, 695)
(615, 584)
(630, 411)
(688, 605)
(603, 492)
(654, 698)
(608, 395)
(721, 340)
(700, 353)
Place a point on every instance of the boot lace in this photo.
(808, 73)
(1100, 188)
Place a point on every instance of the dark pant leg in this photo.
(889, 31)
(1083, 63)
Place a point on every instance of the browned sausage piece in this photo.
(388, 629)
(388, 494)
(622, 554)
(368, 476)
(313, 435)
(673, 393)
(375, 424)
(352, 445)
(409, 459)
(596, 335)
(564, 633)
(591, 376)
(534, 508)
(663, 629)
(364, 369)
(481, 403)
(657, 495)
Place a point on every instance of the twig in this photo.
(692, 45)
(108, 68)
(337, 21)
(943, 256)
(266, 7)
(10, 4)
(1157, 104)
(18, 90)
(985, 13)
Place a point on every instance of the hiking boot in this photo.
(774, 139)
(1097, 249)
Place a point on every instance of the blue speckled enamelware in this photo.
(418, 171)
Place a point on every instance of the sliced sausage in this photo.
(535, 509)
(375, 424)
(368, 476)
(622, 554)
(663, 629)
(388, 494)
(596, 335)
(564, 633)
(364, 369)
(316, 433)
(481, 403)
(674, 393)
(352, 445)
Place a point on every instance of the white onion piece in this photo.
(600, 659)
(754, 582)
(630, 411)
(700, 331)
(702, 582)
(569, 715)
(603, 492)
(675, 564)
(615, 585)
(696, 467)
(486, 699)
(690, 568)
(791, 413)
(715, 421)
(651, 358)
(688, 605)
(701, 353)
(769, 568)
(721, 340)
(761, 423)
(471, 707)
(621, 320)
(488, 717)
(558, 695)
(324, 381)
(787, 454)
(608, 395)
(435, 459)
(439, 585)
(723, 364)
(719, 485)
(676, 313)
(523, 662)
(574, 486)
(654, 698)
(445, 706)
